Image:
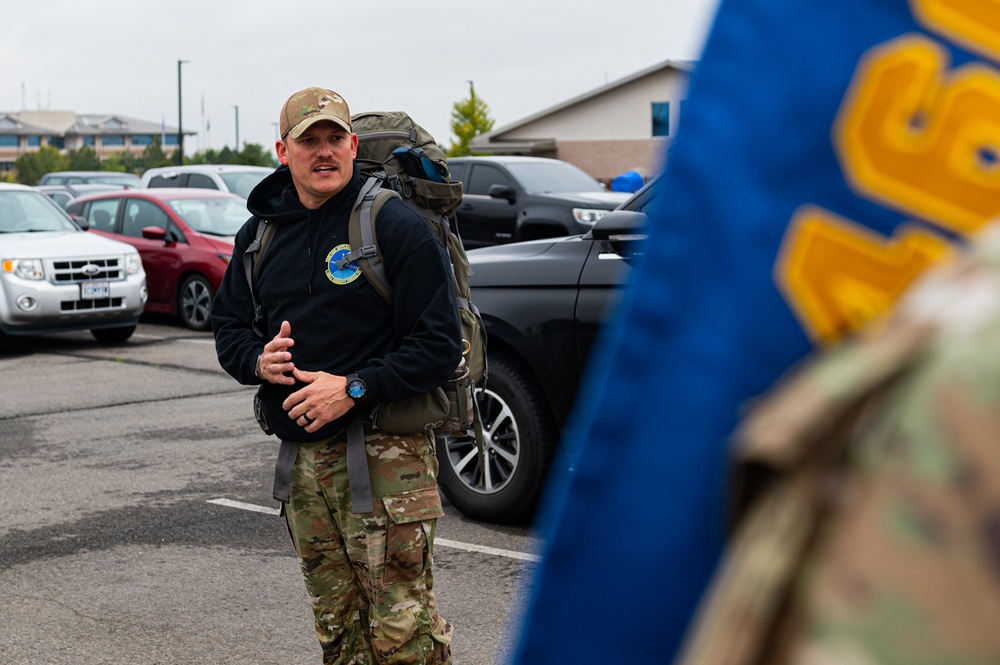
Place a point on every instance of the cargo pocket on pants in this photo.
(410, 516)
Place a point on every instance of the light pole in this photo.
(237, 128)
(180, 121)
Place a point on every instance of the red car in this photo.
(184, 236)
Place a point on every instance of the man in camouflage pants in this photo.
(870, 528)
(372, 564)
(361, 506)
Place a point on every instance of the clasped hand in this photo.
(324, 397)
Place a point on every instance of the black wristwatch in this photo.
(356, 388)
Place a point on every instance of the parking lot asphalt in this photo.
(138, 526)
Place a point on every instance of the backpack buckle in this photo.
(258, 319)
(366, 252)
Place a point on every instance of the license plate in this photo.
(95, 290)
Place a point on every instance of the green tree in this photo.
(207, 156)
(152, 157)
(31, 166)
(469, 118)
(212, 156)
(119, 163)
(84, 159)
(253, 154)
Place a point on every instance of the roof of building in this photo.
(63, 123)
(11, 124)
(119, 124)
(686, 66)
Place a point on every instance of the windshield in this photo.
(23, 212)
(553, 177)
(241, 182)
(215, 216)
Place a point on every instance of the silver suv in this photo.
(90, 177)
(234, 178)
(56, 277)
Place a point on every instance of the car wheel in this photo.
(112, 335)
(503, 481)
(195, 303)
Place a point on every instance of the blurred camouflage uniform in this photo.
(388, 551)
(870, 487)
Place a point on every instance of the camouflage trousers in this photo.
(369, 574)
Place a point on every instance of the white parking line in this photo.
(245, 506)
(208, 340)
(469, 547)
(454, 544)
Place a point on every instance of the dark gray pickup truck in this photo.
(508, 199)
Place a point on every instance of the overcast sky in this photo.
(524, 56)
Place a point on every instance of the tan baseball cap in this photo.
(312, 105)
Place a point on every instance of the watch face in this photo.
(356, 389)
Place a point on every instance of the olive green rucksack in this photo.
(404, 158)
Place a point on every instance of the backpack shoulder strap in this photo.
(364, 241)
(251, 265)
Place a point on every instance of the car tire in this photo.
(519, 441)
(194, 303)
(112, 335)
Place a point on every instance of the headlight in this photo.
(133, 264)
(25, 268)
(226, 258)
(588, 215)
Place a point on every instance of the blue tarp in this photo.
(629, 181)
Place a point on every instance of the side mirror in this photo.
(80, 221)
(625, 230)
(154, 233)
(502, 192)
(620, 223)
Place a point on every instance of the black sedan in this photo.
(543, 303)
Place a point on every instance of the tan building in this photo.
(626, 124)
(26, 131)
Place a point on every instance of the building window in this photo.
(171, 139)
(142, 139)
(57, 142)
(88, 139)
(34, 141)
(661, 118)
(112, 140)
(6, 166)
(8, 141)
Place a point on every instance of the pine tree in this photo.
(469, 118)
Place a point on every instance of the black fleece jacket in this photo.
(340, 323)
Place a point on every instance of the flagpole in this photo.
(180, 123)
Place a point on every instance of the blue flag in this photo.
(828, 153)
